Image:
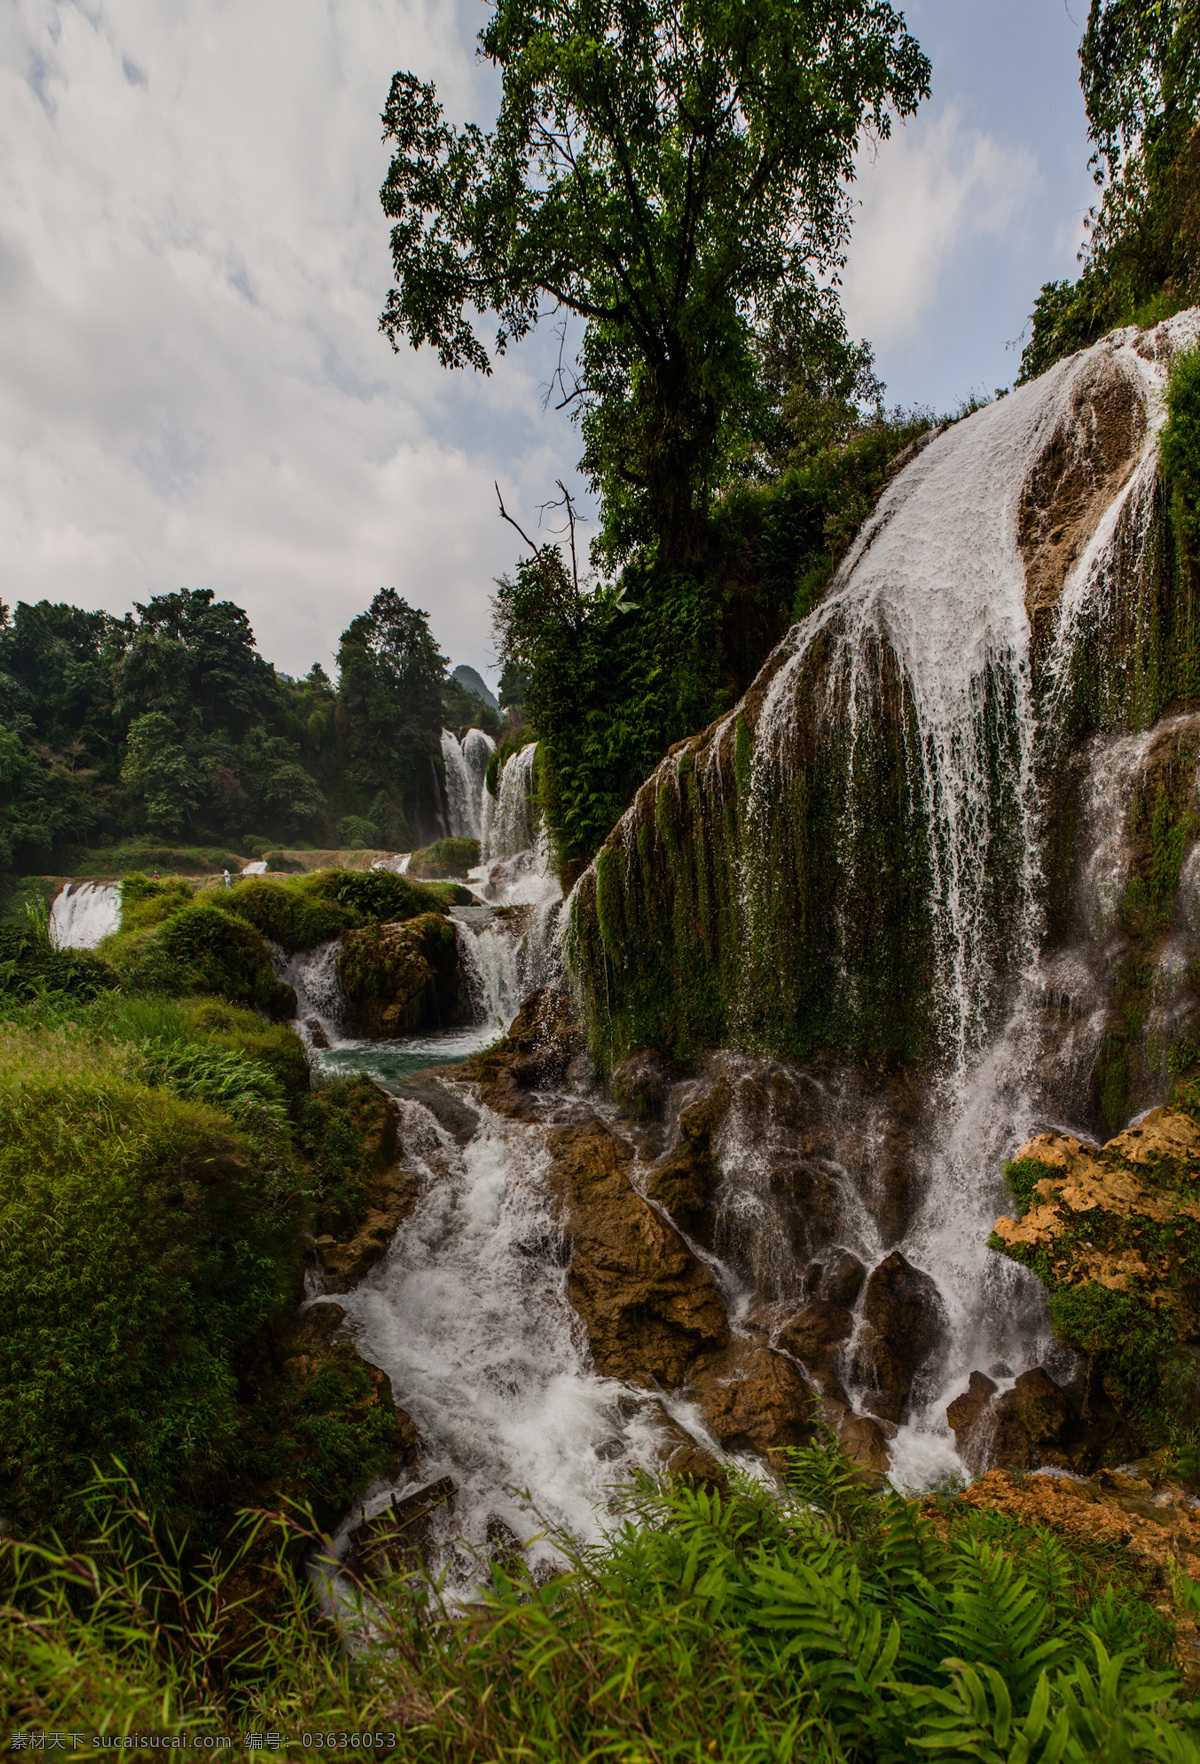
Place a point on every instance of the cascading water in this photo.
(469, 1317)
(322, 1013)
(466, 771)
(505, 959)
(510, 818)
(913, 697)
(84, 914)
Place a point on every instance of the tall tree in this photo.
(389, 711)
(673, 173)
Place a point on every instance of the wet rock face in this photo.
(390, 1199)
(401, 977)
(1033, 1423)
(1036, 1422)
(905, 1332)
(648, 1305)
(756, 1400)
(765, 1159)
(640, 1085)
(1090, 455)
(814, 1335)
(837, 1278)
(543, 1042)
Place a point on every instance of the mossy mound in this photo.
(142, 1253)
(200, 948)
(449, 857)
(29, 967)
(404, 977)
(1114, 1236)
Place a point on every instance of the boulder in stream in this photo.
(904, 1330)
(400, 977)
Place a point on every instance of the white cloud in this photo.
(192, 386)
(929, 193)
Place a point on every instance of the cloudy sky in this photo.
(193, 390)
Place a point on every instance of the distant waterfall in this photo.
(466, 771)
(84, 914)
(510, 818)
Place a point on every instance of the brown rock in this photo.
(393, 1198)
(1087, 459)
(685, 1180)
(649, 1306)
(814, 1335)
(640, 1085)
(965, 1412)
(544, 1039)
(756, 1400)
(1033, 1423)
(403, 976)
(904, 1334)
(838, 1278)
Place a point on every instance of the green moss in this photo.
(347, 1130)
(274, 1046)
(141, 1255)
(145, 903)
(204, 949)
(296, 915)
(1022, 1176)
(449, 857)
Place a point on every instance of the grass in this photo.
(811, 1619)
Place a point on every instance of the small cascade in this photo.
(466, 773)
(322, 1012)
(258, 868)
(468, 1316)
(511, 823)
(506, 958)
(84, 914)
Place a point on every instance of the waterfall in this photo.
(84, 914)
(504, 959)
(466, 773)
(322, 1011)
(468, 1316)
(510, 818)
(925, 701)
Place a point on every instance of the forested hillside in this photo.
(168, 724)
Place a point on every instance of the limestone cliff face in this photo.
(861, 854)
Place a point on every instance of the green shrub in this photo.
(816, 1621)
(145, 903)
(30, 967)
(348, 1132)
(288, 913)
(378, 895)
(274, 1046)
(449, 857)
(1023, 1176)
(140, 1253)
(215, 951)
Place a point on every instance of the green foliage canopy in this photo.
(675, 176)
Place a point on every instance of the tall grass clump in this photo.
(810, 1620)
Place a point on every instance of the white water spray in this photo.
(466, 770)
(84, 914)
(468, 1315)
(511, 823)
